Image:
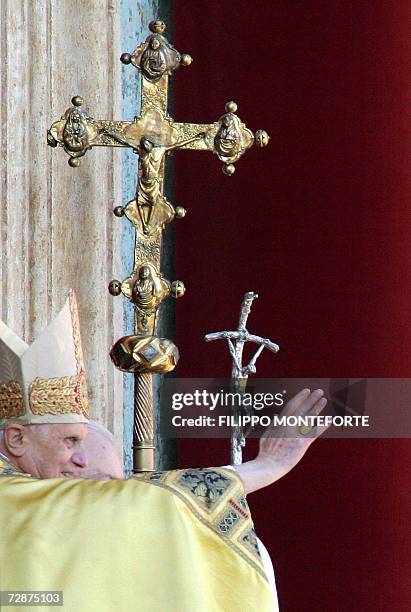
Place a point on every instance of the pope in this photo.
(181, 540)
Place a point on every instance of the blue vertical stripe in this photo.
(135, 17)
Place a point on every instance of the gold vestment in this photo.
(179, 541)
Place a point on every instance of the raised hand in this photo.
(281, 448)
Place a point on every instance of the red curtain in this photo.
(319, 225)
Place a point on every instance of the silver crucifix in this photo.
(239, 373)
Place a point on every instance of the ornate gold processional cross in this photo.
(152, 136)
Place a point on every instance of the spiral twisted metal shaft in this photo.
(143, 430)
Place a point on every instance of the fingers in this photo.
(311, 401)
(315, 411)
(317, 407)
(296, 401)
(307, 403)
(303, 402)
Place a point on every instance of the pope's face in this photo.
(54, 451)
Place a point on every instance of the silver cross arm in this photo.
(243, 336)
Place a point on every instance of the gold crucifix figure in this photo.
(149, 197)
(152, 135)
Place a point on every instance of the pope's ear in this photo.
(15, 440)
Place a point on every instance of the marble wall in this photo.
(57, 226)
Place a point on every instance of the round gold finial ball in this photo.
(186, 59)
(114, 287)
(77, 101)
(119, 211)
(157, 27)
(74, 162)
(231, 107)
(125, 58)
(228, 169)
(180, 212)
(177, 289)
(261, 138)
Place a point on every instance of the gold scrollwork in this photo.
(154, 95)
(75, 321)
(11, 400)
(59, 395)
(147, 249)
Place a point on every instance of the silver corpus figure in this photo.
(239, 373)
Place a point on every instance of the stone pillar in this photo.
(57, 226)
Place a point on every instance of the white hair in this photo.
(100, 428)
(93, 425)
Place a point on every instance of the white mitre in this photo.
(44, 382)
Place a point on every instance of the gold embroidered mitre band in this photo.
(59, 395)
(44, 382)
(11, 400)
